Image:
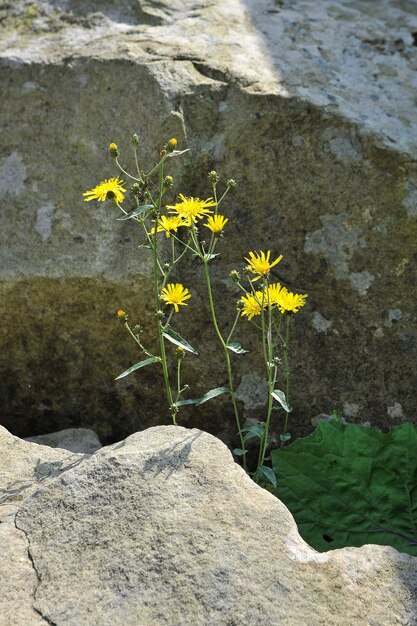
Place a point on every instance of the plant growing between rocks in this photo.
(267, 305)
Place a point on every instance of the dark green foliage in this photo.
(347, 485)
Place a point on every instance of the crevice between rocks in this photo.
(35, 569)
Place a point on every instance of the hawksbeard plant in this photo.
(195, 226)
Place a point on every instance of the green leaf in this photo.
(253, 431)
(239, 452)
(347, 485)
(176, 153)
(280, 396)
(137, 366)
(175, 338)
(268, 474)
(207, 396)
(285, 437)
(138, 211)
(234, 346)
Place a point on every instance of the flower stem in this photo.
(227, 357)
(156, 295)
(286, 373)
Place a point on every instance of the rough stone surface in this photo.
(80, 440)
(164, 528)
(310, 106)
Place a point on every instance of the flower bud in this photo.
(138, 330)
(180, 353)
(121, 315)
(231, 183)
(135, 140)
(235, 276)
(159, 315)
(239, 305)
(114, 150)
(168, 182)
(213, 177)
(171, 145)
(135, 188)
(166, 267)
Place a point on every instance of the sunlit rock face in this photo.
(309, 106)
(164, 528)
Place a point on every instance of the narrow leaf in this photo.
(213, 393)
(280, 396)
(176, 153)
(234, 346)
(175, 338)
(137, 366)
(138, 211)
(239, 452)
(268, 474)
(253, 431)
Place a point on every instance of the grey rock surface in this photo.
(309, 105)
(82, 440)
(164, 528)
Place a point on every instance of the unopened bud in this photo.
(135, 140)
(213, 177)
(180, 353)
(168, 182)
(247, 270)
(138, 330)
(235, 276)
(166, 267)
(121, 315)
(171, 145)
(239, 305)
(114, 150)
(231, 183)
(135, 188)
(159, 315)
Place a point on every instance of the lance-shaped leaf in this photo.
(347, 485)
(213, 393)
(279, 395)
(137, 366)
(267, 474)
(234, 346)
(174, 337)
(138, 211)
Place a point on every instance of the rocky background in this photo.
(310, 106)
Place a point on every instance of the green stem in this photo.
(286, 373)
(227, 357)
(233, 327)
(268, 354)
(135, 338)
(126, 173)
(156, 295)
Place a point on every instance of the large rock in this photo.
(81, 440)
(310, 106)
(164, 528)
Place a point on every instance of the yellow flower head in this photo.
(109, 189)
(168, 224)
(191, 209)
(175, 295)
(274, 293)
(252, 305)
(114, 150)
(171, 145)
(216, 223)
(258, 263)
(291, 302)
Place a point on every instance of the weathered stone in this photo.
(164, 528)
(310, 106)
(23, 466)
(81, 440)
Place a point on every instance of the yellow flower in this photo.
(216, 223)
(175, 295)
(252, 305)
(167, 224)
(171, 145)
(109, 189)
(291, 302)
(274, 293)
(114, 150)
(260, 264)
(190, 209)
